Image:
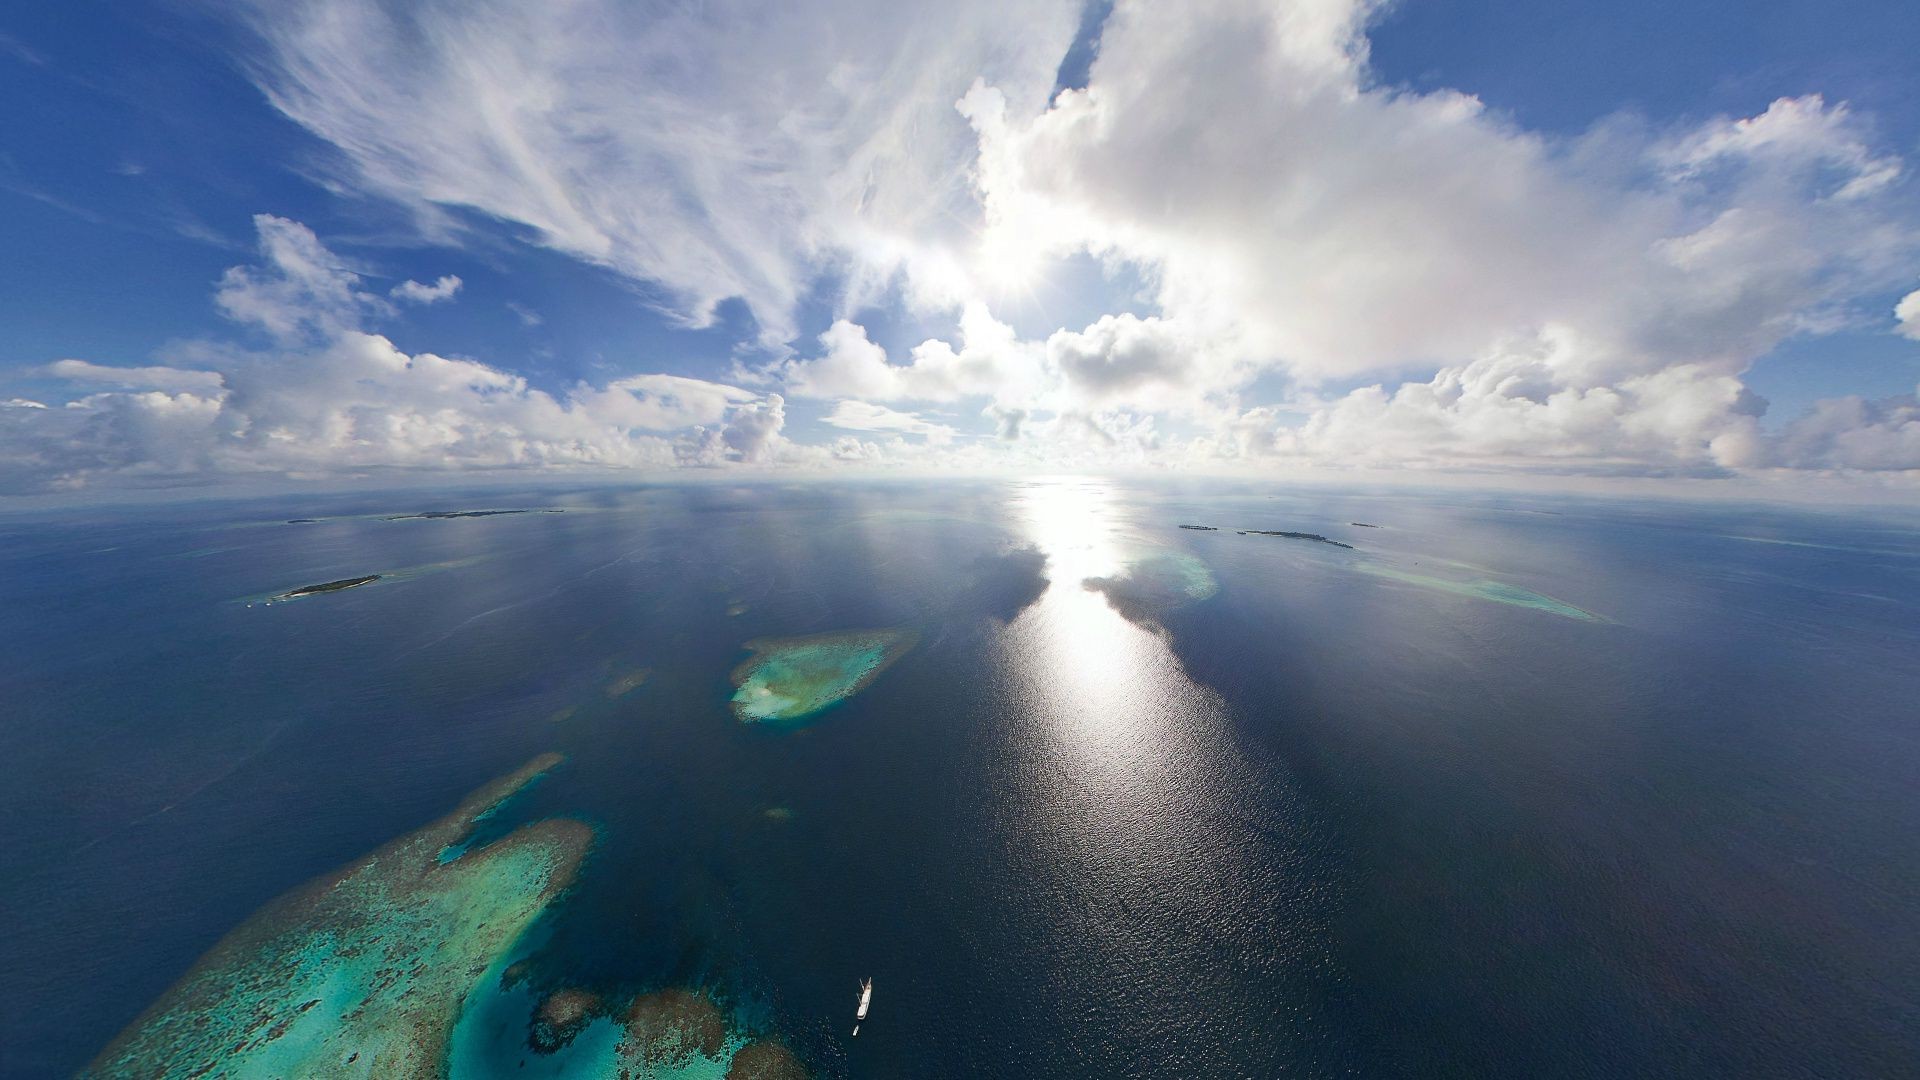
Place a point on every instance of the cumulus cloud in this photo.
(337, 400)
(1593, 300)
(715, 150)
(415, 293)
(1147, 363)
(1906, 315)
(1854, 433)
(990, 362)
(358, 403)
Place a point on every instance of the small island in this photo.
(442, 515)
(303, 521)
(1201, 528)
(1315, 537)
(1362, 525)
(329, 586)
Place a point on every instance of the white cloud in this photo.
(1008, 423)
(137, 378)
(1502, 299)
(720, 149)
(991, 362)
(415, 293)
(357, 402)
(340, 400)
(304, 291)
(1588, 303)
(865, 416)
(1855, 434)
(1509, 411)
(1795, 135)
(1906, 315)
(1150, 364)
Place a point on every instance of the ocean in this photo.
(1441, 784)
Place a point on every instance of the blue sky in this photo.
(1459, 238)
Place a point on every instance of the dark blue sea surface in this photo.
(1510, 787)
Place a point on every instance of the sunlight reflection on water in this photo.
(1112, 711)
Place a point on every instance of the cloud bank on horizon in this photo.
(1309, 269)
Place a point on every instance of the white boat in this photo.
(866, 998)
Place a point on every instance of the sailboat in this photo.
(866, 998)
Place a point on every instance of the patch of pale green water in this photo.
(386, 577)
(1177, 573)
(789, 680)
(360, 973)
(1483, 589)
(1155, 583)
(628, 683)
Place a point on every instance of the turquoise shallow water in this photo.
(789, 681)
(1241, 806)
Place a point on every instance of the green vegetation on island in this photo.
(330, 586)
(1315, 537)
(441, 515)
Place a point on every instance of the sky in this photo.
(321, 242)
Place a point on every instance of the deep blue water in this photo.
(1326, 821)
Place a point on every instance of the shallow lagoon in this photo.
(787, 681)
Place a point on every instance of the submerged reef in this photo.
(1154, 585)
(361, 972)
(764, 1060)
(560, 1016)
(1483, 589)
(788, 680)
(628, 683)
(676, 1032)
(328, 586)
(670, 1028)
